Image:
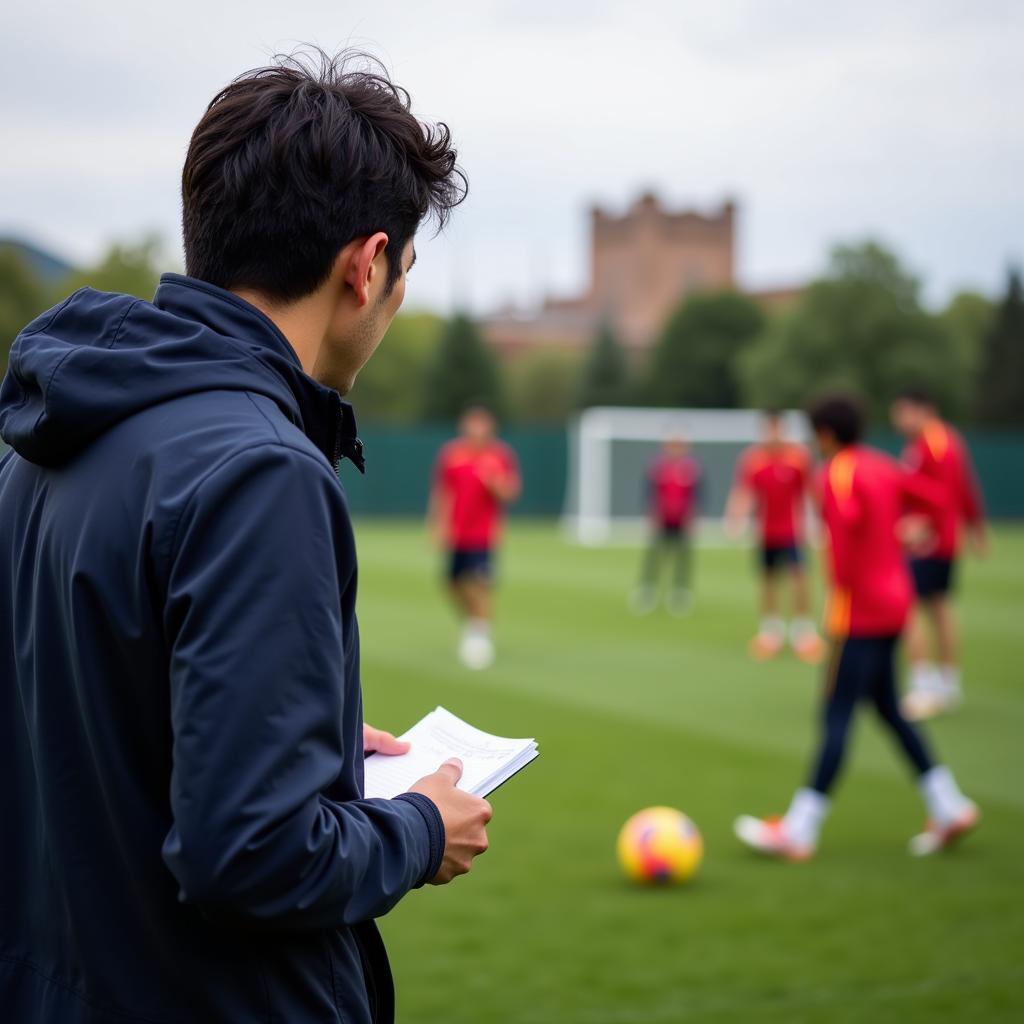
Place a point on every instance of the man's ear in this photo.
(360, 264)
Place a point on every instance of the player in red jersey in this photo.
(863, 497)
(475, 477)
(774, 478)
(673, 482)
(937, 452)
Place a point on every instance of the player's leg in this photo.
(948, 643)
(950, 813)
(680, 598)
(803, 635)
(771, 633)
(473, 585)
(924, 694)
(795, 835)
(644, 598)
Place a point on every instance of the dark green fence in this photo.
(399, 462)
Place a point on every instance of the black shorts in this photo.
(780, 556)
(672, 531)
(476, 562)
(933, 577)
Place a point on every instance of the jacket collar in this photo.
(318, 411)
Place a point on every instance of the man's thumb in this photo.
(452, 768)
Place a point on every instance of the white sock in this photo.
(799, 628)
(924, 677)
(773, 626)
(478, 627)
(942, 795)
(802, 821)
(948, 677)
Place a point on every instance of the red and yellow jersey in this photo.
(779, 478)
(463, 473)
(940, 454)
(674, 483)
(864, 493)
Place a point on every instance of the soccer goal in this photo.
(610, 449)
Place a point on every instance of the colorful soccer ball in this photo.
(660, 846)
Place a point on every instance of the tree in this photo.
(388, 389)
(999, 399)
(130, 268)
(462, 372)
(693, 363)
(968, 317)
(604, 379)
(22, 299)
(861, 328)
(543, 385)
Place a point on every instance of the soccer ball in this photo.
(660, 846)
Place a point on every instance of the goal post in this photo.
(610, 449)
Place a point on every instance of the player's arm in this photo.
(738, 508)
(841, 511)
(972, 506)
(253, 625)
(438, 505)
(503, 479)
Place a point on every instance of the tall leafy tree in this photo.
(131, 268)
(999, 399)
(463, 371)
(604, 378)
(860, 327)
(693, 362)
(543, 385)
(22, 298)
(389, 388)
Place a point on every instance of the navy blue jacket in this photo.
(182, 831)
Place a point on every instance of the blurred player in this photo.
(863, 497)
(774, 478)
(475, 477)
(673, 485)
(936, 451)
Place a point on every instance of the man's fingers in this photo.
(390, 745)
(377, 741)
(452, 769)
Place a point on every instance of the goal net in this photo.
(610, 450)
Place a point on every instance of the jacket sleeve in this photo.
(972, 507)
(257, 564)
(922, 492)
(841, 511)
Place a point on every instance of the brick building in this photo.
(643, 263)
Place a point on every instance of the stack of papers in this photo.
(487, 760)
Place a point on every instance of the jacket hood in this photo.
(98, 358)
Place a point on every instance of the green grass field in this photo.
(632, 712)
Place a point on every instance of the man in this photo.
(871, 593)
(774, 477)
(938, 453)
(673, 483)
(475, 478)
(181, 737)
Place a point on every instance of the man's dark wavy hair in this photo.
(842, 413)
(293, 161)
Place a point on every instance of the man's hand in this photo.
(465, 819)
(978, 536)
(377, 741)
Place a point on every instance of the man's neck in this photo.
(303, 323)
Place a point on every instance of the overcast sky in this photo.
(899, 119)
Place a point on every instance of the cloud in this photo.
(828, 122)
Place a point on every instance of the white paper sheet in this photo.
(487, 760)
